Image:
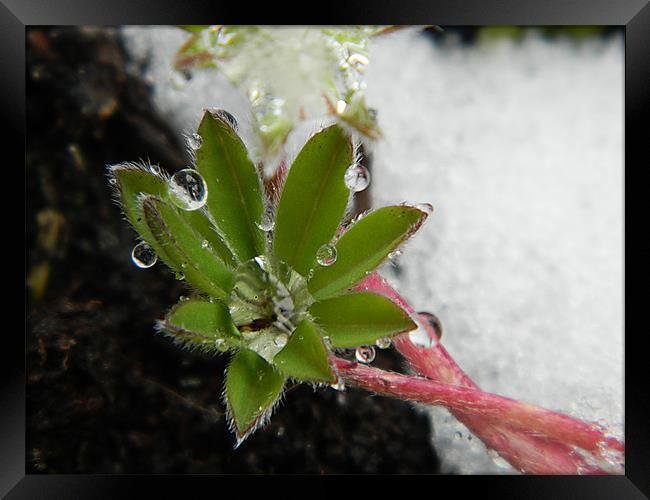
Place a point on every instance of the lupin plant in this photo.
(271, 280)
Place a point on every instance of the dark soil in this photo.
(104, 393)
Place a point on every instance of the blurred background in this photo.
(515, 135)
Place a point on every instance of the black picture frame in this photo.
(633, 15)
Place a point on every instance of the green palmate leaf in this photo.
(132, 181)
(364, 246)
(252, 387)
(361, 318)
(313, 199)
(202, 324)
(184, 250)
(305, 356)
(234, 190)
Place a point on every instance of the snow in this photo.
(519, 147)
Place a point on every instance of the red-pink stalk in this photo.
(531, 439)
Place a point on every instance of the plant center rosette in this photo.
(271, 270)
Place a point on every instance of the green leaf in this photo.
(234, 188)
(305, 356)
(201, 323)
(364, 246)
(313, 199)
(132, 180)
(184, 250)
(252, 386)
(360, 318)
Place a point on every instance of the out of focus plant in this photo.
(289, 74)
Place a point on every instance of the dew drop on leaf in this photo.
(357, 177)
(394, 255)
(267, 223)
(205, 244)
(365, 354)
(154, 169)
(143, 255)
(326, 255)
(225, 116)
(383, 343)
(188, 190)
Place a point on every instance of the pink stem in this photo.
(531, 439)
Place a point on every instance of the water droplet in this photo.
(220, 344)
(383, 343)
(357, 177)
(205, 244)
(326, 255)
(433, 321)
(339, 385)
(194, 141)
(143, 255)
(327, 341)
(458, 435)
(340, 106)
(154, 169)
(180, 276)
(365, 354)
(188, 190)
(267, 223)
(281, 339)
(183, 298)
(394, 255)
(223, 115)
(421, 338)
(112, 181)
